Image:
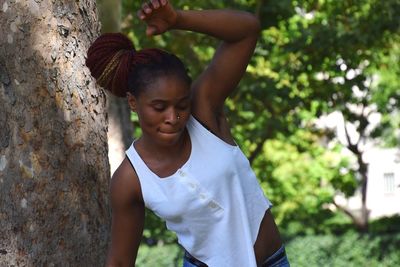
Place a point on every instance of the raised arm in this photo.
(238, 32)
(127, 217)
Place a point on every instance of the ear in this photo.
(131, 101)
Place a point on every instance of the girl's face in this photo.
(163, 109)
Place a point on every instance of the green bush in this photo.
(160, 255)
(335, 243)
(350, 249)
(385, 225)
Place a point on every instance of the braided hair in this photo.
(118, 67)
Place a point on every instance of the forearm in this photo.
(226, 25)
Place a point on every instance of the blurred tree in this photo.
(120, 127)
(54, 174)
(110, 12)
(302, 176)
(338, 56)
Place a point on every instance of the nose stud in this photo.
(178, 117)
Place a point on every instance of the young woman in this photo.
(186, 166)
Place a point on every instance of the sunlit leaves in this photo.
(300, 175)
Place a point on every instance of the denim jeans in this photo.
(278, 259)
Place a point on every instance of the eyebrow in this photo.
(163, 100)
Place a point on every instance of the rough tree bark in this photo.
(54, 172)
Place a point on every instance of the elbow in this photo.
(254, 25)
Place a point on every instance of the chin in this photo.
(169, 139)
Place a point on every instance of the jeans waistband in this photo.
(277, 256)
(193, 260)
(274, 258)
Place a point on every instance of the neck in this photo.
(149, 147)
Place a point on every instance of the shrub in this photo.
(350, 249)
(160, 255)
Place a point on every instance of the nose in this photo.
(171, 116)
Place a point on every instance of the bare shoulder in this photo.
(125, 186)
(127, 216)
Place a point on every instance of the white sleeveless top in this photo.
(213, 202)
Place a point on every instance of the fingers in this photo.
(148, 7)
(155, 3)
(141, 15)
(158, 3)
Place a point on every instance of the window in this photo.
(388, 183)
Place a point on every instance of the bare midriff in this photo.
(268, 239)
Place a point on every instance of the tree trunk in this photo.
(364, 214)
(120, 127)
(54, 176)
(361, 220)
(110, 15)
(120, 130)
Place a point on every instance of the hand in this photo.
(159, 15)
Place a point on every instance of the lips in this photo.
(170, 132)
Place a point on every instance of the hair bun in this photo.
(109, 59)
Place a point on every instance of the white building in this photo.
(383, 187)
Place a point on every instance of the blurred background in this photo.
(317, 114)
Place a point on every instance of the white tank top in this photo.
(213, 202)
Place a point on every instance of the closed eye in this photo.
(159, 107)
